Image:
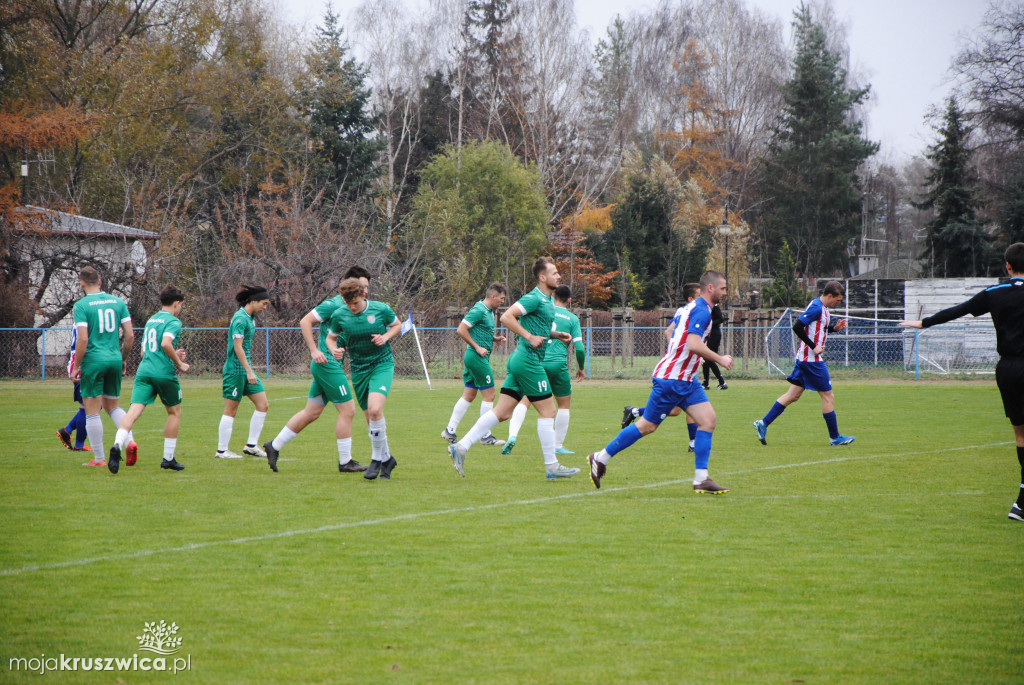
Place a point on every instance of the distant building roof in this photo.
(53, 221)
(900, 270)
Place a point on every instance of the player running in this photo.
(330, 384)
(810, 371)
(364, 328)
(477, 329)
(530, 318)
(675, 384)
(556, 365)
(239, 378)
(156, 377)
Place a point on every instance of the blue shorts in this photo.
(811, 376)
(667, 395)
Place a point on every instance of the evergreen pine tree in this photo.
(957, 244)
(335, 101)
(812, 188)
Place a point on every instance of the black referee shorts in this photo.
(1010, 379)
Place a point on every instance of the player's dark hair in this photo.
(562, 293)
(171, 294)
(496, 289)
(251, 293)
(710, 277)
(834, 288)
(89, 275)
(350, 289)
(357, 272)
(1014, 256)
(541, 265)
(691, 291)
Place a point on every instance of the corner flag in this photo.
(408, 324)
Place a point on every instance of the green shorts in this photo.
(478, 373)
(330, 384)
(236, 386)
(526, 376)
(561, 381)
(147, 388)
(375, 379)
(101, 378)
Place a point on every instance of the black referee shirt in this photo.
(1006, 304)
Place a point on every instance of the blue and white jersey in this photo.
(680, 364)
(816, 318)
(74, 343)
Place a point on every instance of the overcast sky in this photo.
(903, 48)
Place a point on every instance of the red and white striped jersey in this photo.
(816, 318)
(679, 364)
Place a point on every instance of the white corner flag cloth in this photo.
(407, 325)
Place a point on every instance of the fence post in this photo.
(917, 356)
(590, 343)
(266, 330)
(43, 355)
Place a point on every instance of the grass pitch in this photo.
(890, 560)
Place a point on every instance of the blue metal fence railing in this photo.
(868, 346)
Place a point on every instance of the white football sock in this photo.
(603, 457)
(256, 427)
(518, 417)
(283, 438)
(121, 438)
(461, 407)
(379, 440)
(116, 414)
(561, 427)
(699, 476)
(170, 444)
(94, 429)
(546, 433)
(224, 432)
(481, 428)
(344, 451)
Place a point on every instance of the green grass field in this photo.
(888, 561)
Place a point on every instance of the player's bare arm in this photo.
(332, 345)
(306, 326)
(510, 320)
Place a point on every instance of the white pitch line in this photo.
(445, 512)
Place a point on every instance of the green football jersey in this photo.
(242, 326)
(538, 314)
(565, 322)
(155, 362)
(323, 313)
(356, 331)
(103, 314)
(480, 320)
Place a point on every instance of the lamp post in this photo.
(726, 231)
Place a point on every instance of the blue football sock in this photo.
(78, 425)
(626, 437)
(691, 428)
(773, 413)
(73, 423)
(833, 425)
(702, 449)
